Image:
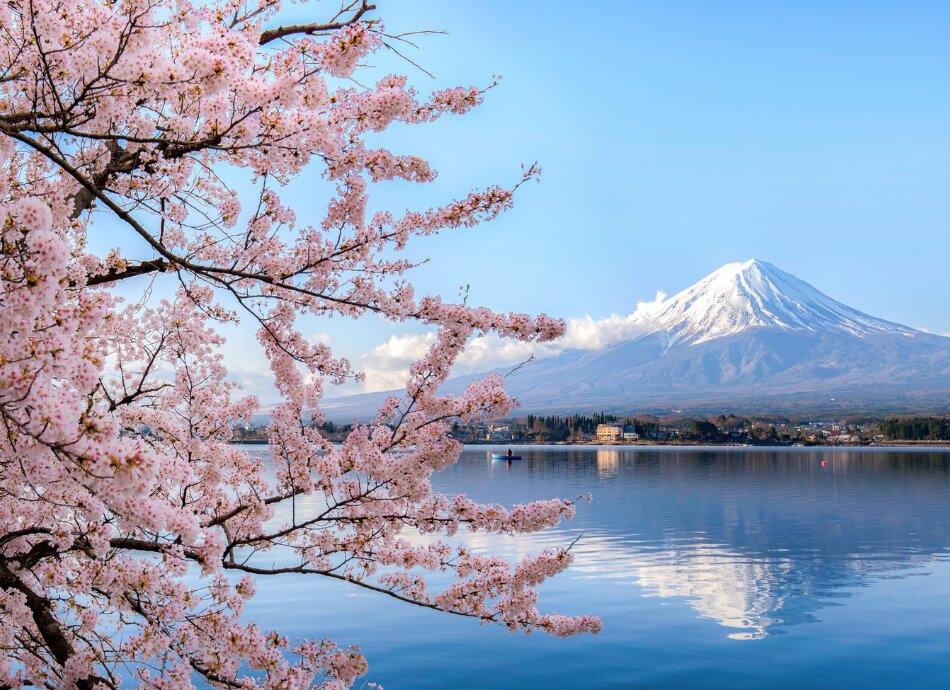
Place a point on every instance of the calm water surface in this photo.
(714, 568)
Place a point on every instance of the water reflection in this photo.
(682, 550)
(758, 541)
(608, 461)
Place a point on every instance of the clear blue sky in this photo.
(676, 137)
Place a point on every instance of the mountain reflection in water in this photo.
(758, 540)
(728, 543)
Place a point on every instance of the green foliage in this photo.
(916, 429)
(646, 429)
(703, 429)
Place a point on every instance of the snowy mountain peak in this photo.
(748, 336)
(755, 294)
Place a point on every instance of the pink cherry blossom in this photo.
(118, 482)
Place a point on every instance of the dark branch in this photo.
(130, 271)
(315, 27)
(48, 627)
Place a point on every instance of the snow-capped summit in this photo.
(748, 336)
(755, 294)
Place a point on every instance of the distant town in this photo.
(602, 428)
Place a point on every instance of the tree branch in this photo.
(49, 628)
(131, 270)
(315, 27)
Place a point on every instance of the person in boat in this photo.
(510, 453)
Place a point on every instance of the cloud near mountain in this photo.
(387, 365)
(748, 336)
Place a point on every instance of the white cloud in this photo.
(321, 337)
(586, 333)
(387, 365)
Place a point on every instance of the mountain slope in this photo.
(755, 294)
(748, 335)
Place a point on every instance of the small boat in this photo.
(498, 456)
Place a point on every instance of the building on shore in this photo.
(612, 432)
(607, 433)
(496, 433)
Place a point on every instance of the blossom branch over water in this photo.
(118, 478)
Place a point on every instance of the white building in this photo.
(609, 432)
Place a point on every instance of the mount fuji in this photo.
(754, 294)
(748, 337)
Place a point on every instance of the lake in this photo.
(711, 567)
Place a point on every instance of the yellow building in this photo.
(609, 432)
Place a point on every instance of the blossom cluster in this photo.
(130, 527)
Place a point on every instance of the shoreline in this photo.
(685, 444)
(722, 444)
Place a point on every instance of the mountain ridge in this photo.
(747, 332)
(754, 293)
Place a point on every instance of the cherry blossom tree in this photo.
(130, 527)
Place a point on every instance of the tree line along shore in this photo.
(677, 430)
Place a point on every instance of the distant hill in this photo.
(750, 337)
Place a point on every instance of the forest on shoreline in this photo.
(680, 430)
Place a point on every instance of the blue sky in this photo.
(675, 137)
(678, 136)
